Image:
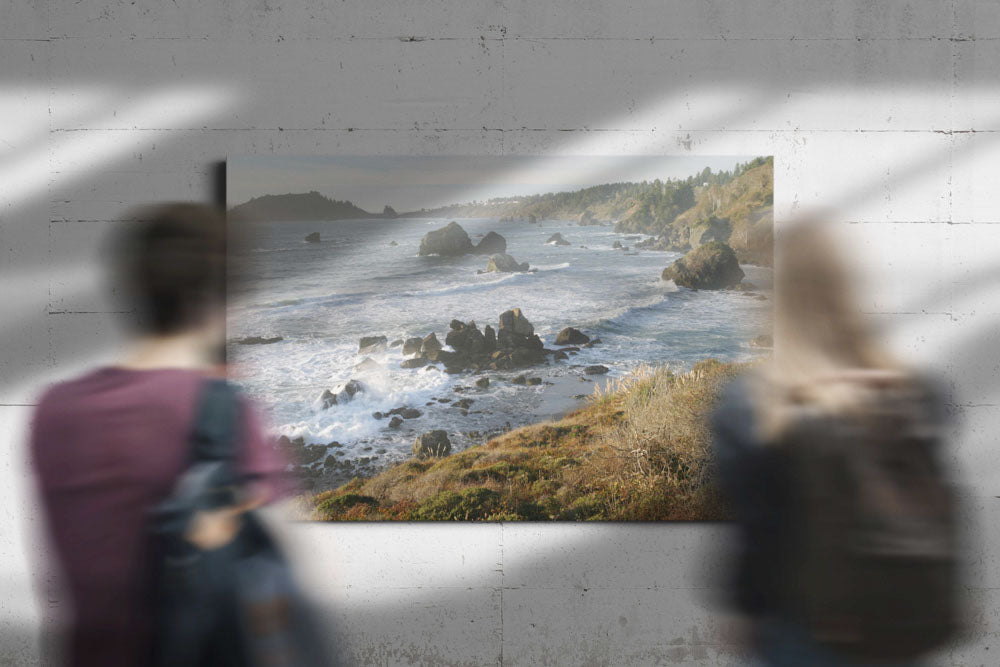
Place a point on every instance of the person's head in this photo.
(171, 269)
(817, 315)
(821, 336)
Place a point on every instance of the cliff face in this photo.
(305, 206)
(739, 212)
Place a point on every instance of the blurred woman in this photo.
(829, 456)
(109, 445)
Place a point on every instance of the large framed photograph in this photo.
(498, 338)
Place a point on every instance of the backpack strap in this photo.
(214, 435)
(211, 473)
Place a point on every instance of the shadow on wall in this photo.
(390, 624)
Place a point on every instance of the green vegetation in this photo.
(639, 451)
(305, 206)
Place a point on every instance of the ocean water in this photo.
(321, 298)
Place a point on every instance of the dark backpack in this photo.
(232, 606)
(873, 567)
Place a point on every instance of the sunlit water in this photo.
(323, 297)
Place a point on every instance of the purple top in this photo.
(106, 447)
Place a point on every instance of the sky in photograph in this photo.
(409, 183)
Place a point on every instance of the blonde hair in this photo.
(827, 359)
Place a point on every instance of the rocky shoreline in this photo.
(500, 354)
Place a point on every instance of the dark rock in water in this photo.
(745, 286)
(393, 243)
(378, 415)
(328, 398)
(560, 355)
(350, 389)
(395, 422)
(444, 400)
(571, 336)
(370, 343)
(430, 343)
(442, 356)
(514, 346)
(416, 362)
(491, 244)
(464, 403)
(432, 443)
(514, 321)
(412, 345)
(557, 239)
(483, 383)
(520, 379)
(467, 339)
(534, 381)
(617, 245)
(448, 241)
(367, 364)
(570, 349)
(396, 343)
(762, 340)
(593, 342)
(710, 266)
(313, 238)
(595, 370)
(517, 343)
(405, 412)
(257, 340)
(504, 263)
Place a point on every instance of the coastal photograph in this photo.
(516, 338)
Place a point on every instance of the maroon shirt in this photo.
(106, 447)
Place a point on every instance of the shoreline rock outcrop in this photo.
(448, 241)
(504, 263)
(571, 336)
(350, 389)
(371, 343)
(513, 344)
(453, 241)
(257, 340)
(712, 265)
(432, 443)
(491, 244)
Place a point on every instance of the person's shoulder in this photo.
(63, 391)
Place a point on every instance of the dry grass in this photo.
(638, 450)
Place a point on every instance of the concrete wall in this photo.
(884, 111)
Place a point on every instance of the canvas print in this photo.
(498, 338)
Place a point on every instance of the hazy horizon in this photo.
(410, 183)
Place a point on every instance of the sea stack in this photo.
(712, 265)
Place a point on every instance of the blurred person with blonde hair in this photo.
(830, 457)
